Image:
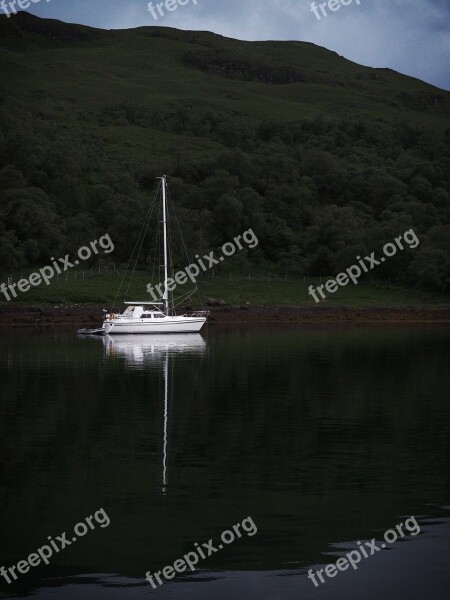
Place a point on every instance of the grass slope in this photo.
(255, 288)
(72, 71)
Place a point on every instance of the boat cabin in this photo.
(142, 312)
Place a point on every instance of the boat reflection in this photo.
(139, 350)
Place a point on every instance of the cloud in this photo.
(410, 36)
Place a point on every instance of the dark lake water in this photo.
(323, 435)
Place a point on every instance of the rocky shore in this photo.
(92, 316)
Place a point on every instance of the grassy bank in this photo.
(234, 288)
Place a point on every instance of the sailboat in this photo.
(149, 317)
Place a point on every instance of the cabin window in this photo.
(146, 316)
(159, 316)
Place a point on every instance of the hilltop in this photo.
(184, 67)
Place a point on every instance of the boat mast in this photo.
(166, 294)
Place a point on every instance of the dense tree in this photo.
(316, 192)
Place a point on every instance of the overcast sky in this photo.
(410, 36)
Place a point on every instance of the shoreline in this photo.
(92, 316)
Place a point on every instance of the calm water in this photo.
(324, 435)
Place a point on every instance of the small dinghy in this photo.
(97, 331)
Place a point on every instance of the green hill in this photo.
(325, 159)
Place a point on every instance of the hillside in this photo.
(325, 159)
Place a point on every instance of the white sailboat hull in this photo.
(154, 326)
